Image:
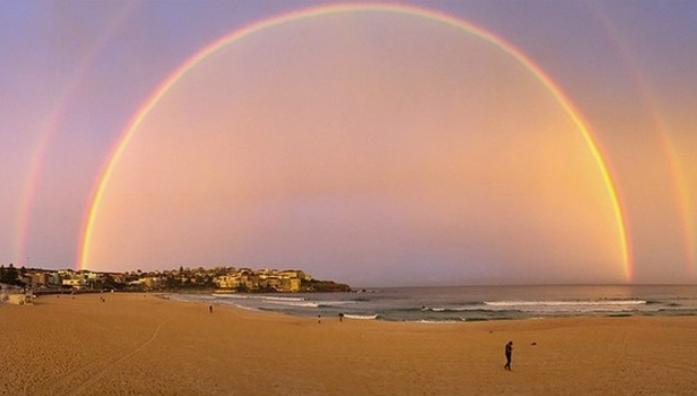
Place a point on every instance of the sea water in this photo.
(471, 303)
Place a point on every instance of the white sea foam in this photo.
(292, 303)
(229, 295)
(462, 306)
(556, 303)
(566, 306)
(458, 309)
(332, 303)
(257, 297)
(275, 298)
(361, 317)
(426, 321)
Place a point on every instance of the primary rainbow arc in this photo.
(162, 89)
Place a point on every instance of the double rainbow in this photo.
(162, 89)
(677, 175)
(50, 129)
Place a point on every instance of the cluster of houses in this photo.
(245, 279)
(47, 280)
(226, 279)
(20, 286)
(37, 281)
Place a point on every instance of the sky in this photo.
(415, 143)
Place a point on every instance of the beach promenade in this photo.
(138, 344)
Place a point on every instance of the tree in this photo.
(109, 283)
(171, 283)
(10, 275)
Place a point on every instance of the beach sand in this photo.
(138, 344)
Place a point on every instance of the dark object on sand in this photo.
(509, 354)
(319, 318)
(533, 344)
(341, 317)
(210, 309)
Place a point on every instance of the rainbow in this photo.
(683, 203)
(50, 129)
(161, 90)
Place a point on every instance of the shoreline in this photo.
(145, 344)
(328, 319)
(331, 311)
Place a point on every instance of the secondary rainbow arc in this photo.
(49, 131)
(162, 89)
(684, 205)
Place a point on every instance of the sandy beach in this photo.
(142, 344)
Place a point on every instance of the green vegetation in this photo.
(10, 276)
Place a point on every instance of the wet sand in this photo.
(136, 344)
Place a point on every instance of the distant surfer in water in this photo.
(509, 354)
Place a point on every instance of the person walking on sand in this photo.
(509, 353)
(210, 309)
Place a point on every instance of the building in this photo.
(270, 282)
(76, 283)
(230, 281)
(290, 285)
(117, 277)
(39, 279)
(149, 282)
(54, 279)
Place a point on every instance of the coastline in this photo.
(138, 343)
(465, 304)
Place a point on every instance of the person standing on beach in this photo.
(210, 309)
(509, 354)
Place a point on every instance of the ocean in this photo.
(470, 303)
